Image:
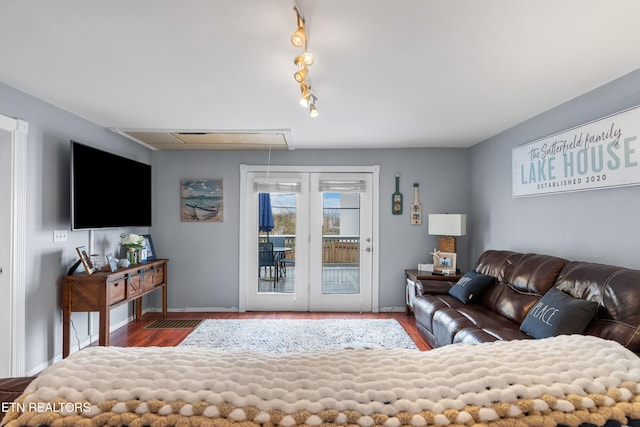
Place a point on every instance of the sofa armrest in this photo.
(433, 287)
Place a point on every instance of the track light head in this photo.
(306, 94)
(299, 37)
(305, 59)
(313, 112)
(301, 74)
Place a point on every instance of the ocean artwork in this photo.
(201, 200)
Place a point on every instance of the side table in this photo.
(412, 276)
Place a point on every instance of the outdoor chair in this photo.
(279, 242)
(266, 258)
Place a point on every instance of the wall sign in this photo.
(600, 154)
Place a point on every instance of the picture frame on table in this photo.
(445, 261)
(86, 261)
(151, 251)
(113, 264)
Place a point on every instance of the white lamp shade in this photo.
(448, 224)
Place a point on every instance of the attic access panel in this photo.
(212, 140)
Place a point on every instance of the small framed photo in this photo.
(445, 261)
(86, 261)
(113, 265)
(148, 243)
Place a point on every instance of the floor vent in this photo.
(174, 324)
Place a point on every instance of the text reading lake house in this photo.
(600, 154)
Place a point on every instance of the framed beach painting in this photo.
(201, 200)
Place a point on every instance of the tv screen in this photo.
(107, 190)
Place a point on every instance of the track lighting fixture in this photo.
(303, 61)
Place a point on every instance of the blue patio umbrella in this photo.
(265, 215)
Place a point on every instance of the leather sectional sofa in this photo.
(515, 294)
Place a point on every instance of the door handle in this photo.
(367, 249)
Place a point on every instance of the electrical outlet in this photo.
(59, 235)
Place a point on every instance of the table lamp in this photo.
(446, 226)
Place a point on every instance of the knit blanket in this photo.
(566, 380)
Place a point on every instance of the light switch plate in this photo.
(59, 235)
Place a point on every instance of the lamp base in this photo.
(447, 244)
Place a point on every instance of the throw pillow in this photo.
(558, 313)
(470, 286)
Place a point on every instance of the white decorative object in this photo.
(425, 267)
(436, 255)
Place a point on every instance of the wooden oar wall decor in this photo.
(416, 207)
(396, 198)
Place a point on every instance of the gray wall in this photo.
(597, 226)
(204, 256)
(50, 130)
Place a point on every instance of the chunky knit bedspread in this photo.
(567, 380)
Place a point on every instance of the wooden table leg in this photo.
(137, 303)
(103, 337)
(66, 323)
(164, 301)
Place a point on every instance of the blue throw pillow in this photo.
(558, 313)
(470, 286)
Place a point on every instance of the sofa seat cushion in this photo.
(451, 321)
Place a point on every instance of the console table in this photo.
(104, 290)
(412, 276)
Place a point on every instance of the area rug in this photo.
(281, 336)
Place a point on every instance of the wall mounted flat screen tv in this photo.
(107, 190)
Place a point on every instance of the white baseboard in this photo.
(392, 309)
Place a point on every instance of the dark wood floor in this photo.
(134, 335)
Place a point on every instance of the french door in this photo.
(323, 241)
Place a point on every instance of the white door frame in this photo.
(17, 263)
(246, 230)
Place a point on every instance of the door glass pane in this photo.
(277, 246)
(341, 243)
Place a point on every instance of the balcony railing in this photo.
(338, 250)
(341, 250)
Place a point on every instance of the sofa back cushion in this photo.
(617, 292)
(522, 279)
(498, 264)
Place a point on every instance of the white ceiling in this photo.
(388, 73)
